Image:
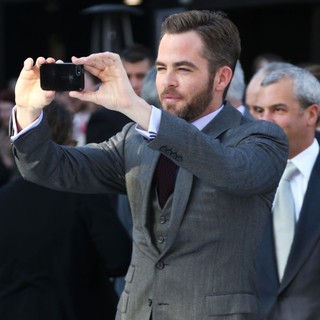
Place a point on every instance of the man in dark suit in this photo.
(194, 235)
(290, 97)
(59, 249)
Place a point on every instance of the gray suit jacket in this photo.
(225, 186)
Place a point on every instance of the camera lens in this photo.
(78, 71)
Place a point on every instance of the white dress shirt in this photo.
(17, 134)
(304, 161)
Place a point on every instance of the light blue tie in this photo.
(284, 218)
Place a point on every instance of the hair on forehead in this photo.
(306, 87)
(220, 36)
(191, 20)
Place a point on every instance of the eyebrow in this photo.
(279, 105)
(276, 105)
(179, 64)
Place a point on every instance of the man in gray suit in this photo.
(193, 253)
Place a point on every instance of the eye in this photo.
(258, 110)
(183, 69)
(141, 76)
(160, 68)
(279, 109)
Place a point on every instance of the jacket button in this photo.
(160, 265)
(163, 219)
(160, 239)
(149, 302)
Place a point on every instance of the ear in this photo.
(223, 78)
(313, 114)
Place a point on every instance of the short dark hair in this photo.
(220, 36)
(136, 53)
(60, 120)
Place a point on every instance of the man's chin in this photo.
(171, 110)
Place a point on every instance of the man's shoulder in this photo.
(249, 130)
(262, 126)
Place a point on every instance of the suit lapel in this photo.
(308, 227)
(179, 202)
(227, 118)
(151, 158)
(185, 179)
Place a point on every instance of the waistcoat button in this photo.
(162, 219)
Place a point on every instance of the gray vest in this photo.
(160, 221)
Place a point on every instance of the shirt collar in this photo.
(306, 159)
(203, 121)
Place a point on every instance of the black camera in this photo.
(62, 77)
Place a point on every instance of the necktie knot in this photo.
(289, 171)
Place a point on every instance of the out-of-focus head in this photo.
(60, 120)
(263, 59)
(137, 60)
(237, 87)
(7, 102)
(149, 90)
(255, 82)
(290, 97)
(314, 69)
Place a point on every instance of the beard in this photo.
(194, 108)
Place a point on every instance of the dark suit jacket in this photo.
(228, 174)
(297, 297)
(317, 135)
(247, 113)
(57, 252)
(104, 123)
(5, 173)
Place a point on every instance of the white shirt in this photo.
(17, 134)
(304, 161)
(241, 108)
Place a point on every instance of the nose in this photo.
(136, 84)
(267, 116)
(169, 79)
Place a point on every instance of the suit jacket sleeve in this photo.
(245, 157)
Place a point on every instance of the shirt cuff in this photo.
(154, 124)
(17, 134)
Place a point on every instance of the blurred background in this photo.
(62, 28)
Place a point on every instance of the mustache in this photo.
(170, 91)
